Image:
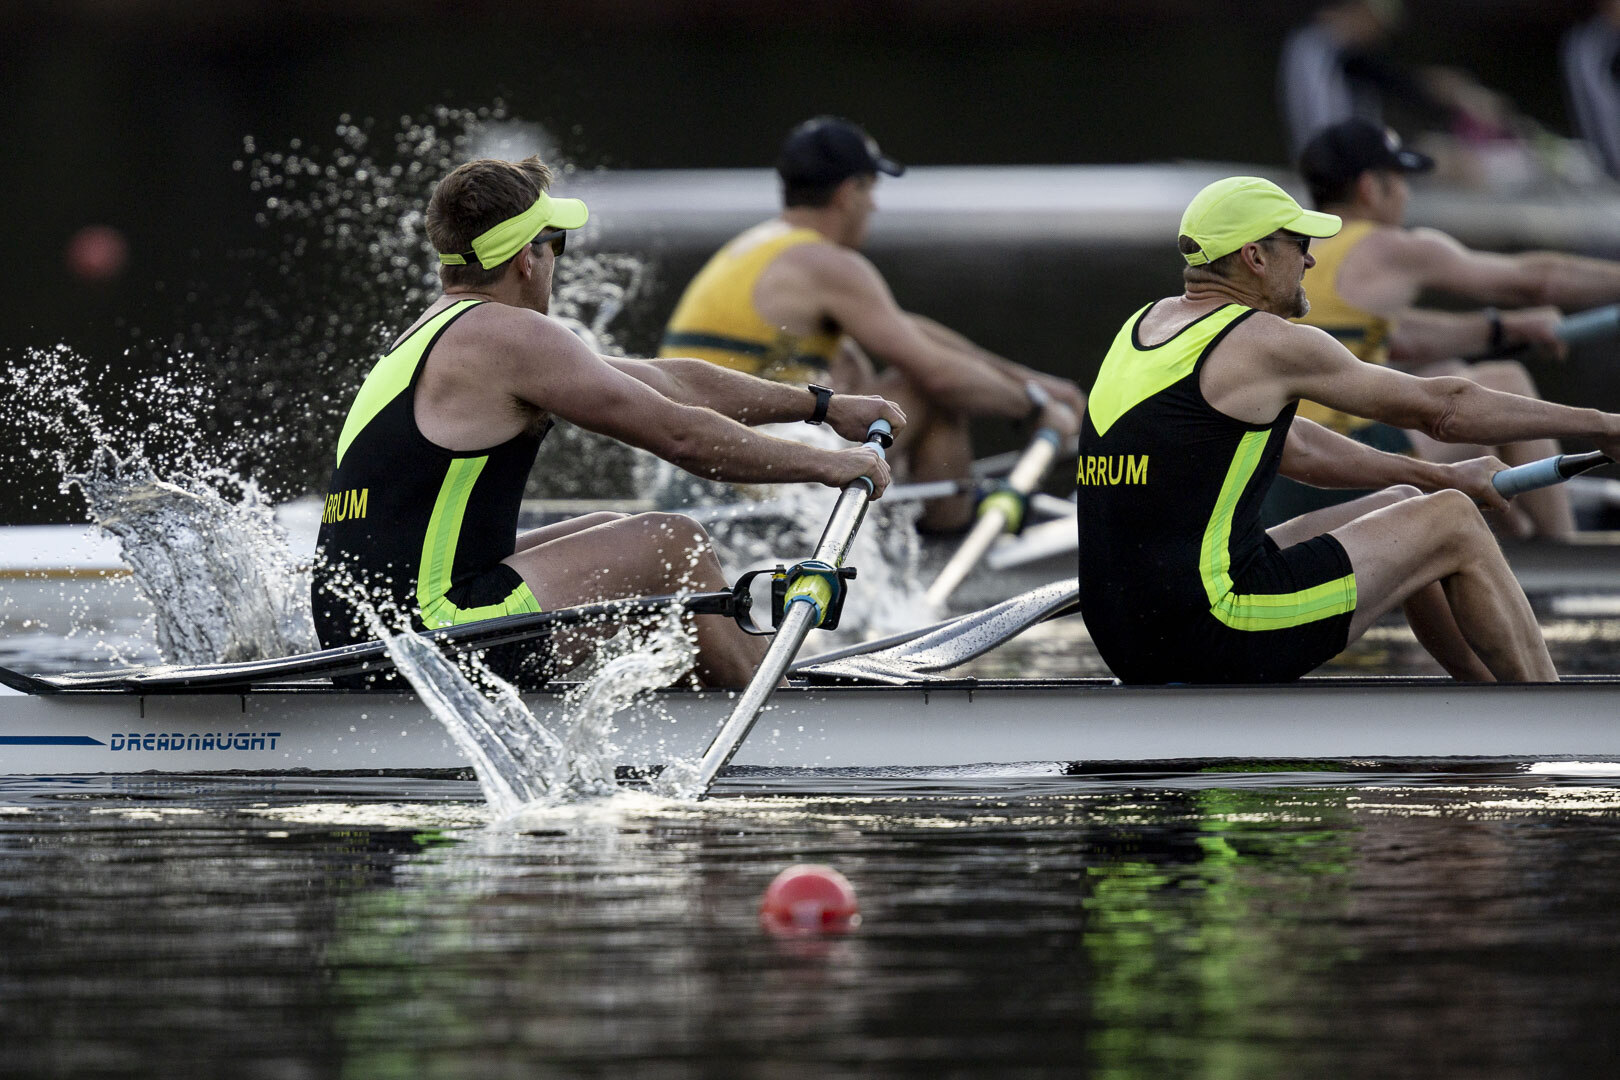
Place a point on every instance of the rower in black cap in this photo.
(793, 299)
(1367, 283)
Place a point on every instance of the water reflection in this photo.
(1438, 925)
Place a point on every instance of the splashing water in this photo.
(349, 265)
(885, 598)
(219, 574)
(257, 383)
(523, 761)
(203, 547)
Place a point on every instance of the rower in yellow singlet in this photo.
(1369, 280)
(793, 299)
(716, 319)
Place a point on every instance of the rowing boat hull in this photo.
(1094, 721)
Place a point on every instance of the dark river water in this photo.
(1216, 925)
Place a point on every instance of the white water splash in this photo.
(886, 596)
(220, 576)
(523, 761)
(202, 544)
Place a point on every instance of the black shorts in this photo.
(1202, 648)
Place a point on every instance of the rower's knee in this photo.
(1452, 518)
(600, 517)
(1396, 493)
(666, 529)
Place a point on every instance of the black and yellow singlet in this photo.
(1178, 581)
(1363, 333)
(716, 320)
(409, 525)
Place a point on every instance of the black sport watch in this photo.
(823, 396)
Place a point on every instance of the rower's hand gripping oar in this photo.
(1546, 472)
(1000, 511)
(810, 593)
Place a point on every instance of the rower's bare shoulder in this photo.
(504, 333)
(1413, 250)
(831, 266)
(1284, 344)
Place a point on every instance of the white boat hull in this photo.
(279, 730)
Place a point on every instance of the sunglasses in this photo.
(557, 238)
(1304, 242)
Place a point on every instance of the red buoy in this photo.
(97, 253)
(809, 899)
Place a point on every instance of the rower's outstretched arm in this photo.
(1323, 458)
(1573, 282)
(1065, 390)
(750, 400)
(1307, 363)
(854, 296)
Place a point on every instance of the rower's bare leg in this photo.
(1403, 548)
(559, 529)
(1427, 610)
(636, 556)
(1547, 509)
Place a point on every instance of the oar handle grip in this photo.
(1545, 473)
(880, 433)
(1591, 325)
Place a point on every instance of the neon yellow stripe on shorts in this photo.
(1259, 611)
(439, 555)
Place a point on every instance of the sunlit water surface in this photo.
(1276, 924)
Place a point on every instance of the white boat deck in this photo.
(1061, 721)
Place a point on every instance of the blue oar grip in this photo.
(1050, 436)
(1590, 325)
(1529, 477)
(881, 433)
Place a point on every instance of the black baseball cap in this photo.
(829, 150)
(1351, 147)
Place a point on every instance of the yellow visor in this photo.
(496, 245)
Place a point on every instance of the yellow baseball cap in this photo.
(1241, 209)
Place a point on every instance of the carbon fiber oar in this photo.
(808, 598)
(362, 657)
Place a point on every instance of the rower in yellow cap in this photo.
(1192, 417)
(421, 514)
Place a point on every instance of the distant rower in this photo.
(793, 299)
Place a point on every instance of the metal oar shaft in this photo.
(1031, 467)
(797, 622)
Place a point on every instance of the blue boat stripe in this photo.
(49, 740)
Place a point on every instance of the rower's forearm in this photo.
(746, 399)
(1573, 282)
(1322, 458)
(718, 448)
(1420, 337)
(1492, 418)
(946, 338)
